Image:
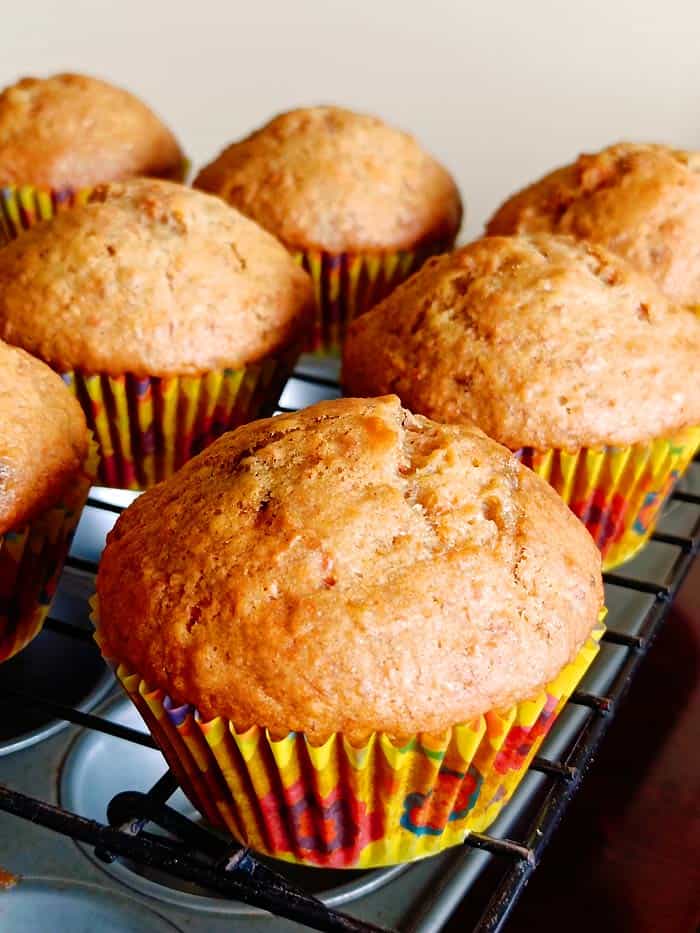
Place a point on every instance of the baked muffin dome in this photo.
(331, 179)
(150, 278)
(641, 201)
(348, 568)
(44, 439)
(541, 341)
(73, 131)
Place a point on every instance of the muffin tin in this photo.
(81, 769)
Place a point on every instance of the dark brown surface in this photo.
(627, 858)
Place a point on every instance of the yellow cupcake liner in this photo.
(148, 427)
(617, 492)
(31, 561)
(21, 206)
(345, 806)
(348, 284)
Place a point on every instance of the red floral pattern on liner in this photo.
(454, 795)
(330, 832)
(518, 744)
(617, 492)
(604, 517)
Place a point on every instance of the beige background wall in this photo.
(500, 91)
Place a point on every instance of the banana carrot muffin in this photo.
(560, 350)
(358, 202)
(45, 475)
(640, 201)
(350, 628)
(170, 315)
(72, 131)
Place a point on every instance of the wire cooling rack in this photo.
(191, 852)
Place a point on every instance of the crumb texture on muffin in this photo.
(43, 441)
(70, 130)
(330, 179)
(349, 568)
(151, 278)
(640, 201)
(541, 341)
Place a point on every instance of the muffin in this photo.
(46, 467)
(171, 317)
(68, 132)
(357, 202)
(559, 350)
(349, 629)
(640, 201)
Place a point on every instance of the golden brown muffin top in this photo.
(349, 568)
(541, 341)
(331, 179)
(43, 441)
(73, 131)
(641, 201)
(151, 278)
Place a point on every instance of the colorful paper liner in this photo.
(348, 284)
(21, 206)
(617, 492)
(31, 561)
(342, 806)
(147, 428)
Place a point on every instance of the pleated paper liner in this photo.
(348, 284)
(341, 806)
(617, 492)
(31, 561)
(21, 206)
(147, 428)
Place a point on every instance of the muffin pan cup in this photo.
(617, 492)
(348, 284)
(339, 805)
(147, 427)
(31, 561)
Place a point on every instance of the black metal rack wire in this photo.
(191, 852)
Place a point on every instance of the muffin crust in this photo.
(640, 201)
(331, 179)
(70, 130)
(540, 341)
(43, 441)
(151, 278)
(349, 568)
